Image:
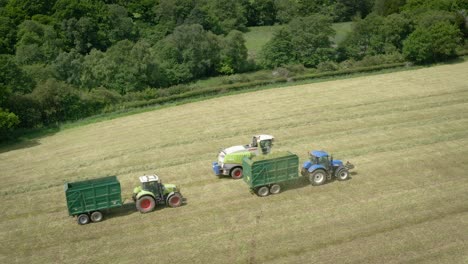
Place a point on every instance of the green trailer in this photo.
(87, 199)
(264, 174)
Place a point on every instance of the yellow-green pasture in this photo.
(407, 201)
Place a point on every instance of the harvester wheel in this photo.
(83, 219)
(317, 177)
(174, 200)
(275, 189)
(236, 173)
(263, 191)
(145, 204)
(342, 174)
(96, 216)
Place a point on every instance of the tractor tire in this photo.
(236, 173)
(342, 174)
(318, 177)
(263, 191)
(96, 217)
(275, 189)
(174, 200)
(145, 204)
(83, 219)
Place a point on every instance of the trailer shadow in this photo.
(126, 209)
(302, 182)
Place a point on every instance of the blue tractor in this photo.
(321, 167)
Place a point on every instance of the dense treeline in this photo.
(65, 59)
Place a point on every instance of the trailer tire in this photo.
(83, 219)
(263, 191)
(275, 189)
(96, 216)
(342, 174)
(174, 200)
(145, 204)
(236, 173)
(318, 177)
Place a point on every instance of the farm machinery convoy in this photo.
(261, 171)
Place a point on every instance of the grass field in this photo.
(407, 201)
(257, 37)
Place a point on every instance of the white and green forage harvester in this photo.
(230, 159)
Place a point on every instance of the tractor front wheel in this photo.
(342, 174)
(236, 173)
(317, 177)
(145, 204)
(174, 200)
(83, 219)
(96, 216)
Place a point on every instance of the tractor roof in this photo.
(149, 178)
(264, 137)
(319, 153)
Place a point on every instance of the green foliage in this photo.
(304, 40)
(189, 52)
(233, 53)
(377, 35)
(7, 35)
(27, 108)
(12, 78)
(68, 66)
(124, 67)
(435, 43)
(261, 12)
(8, 121)
(418, 6)
(36, 43)
(388, 7)
(58, 101)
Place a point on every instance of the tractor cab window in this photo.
(150, 186)
(313, 159)
(254, 142)
(324, 161)
(265, 145)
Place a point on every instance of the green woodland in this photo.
(63, 60)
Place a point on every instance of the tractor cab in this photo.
(264, 142)
(151, 183)
(320, 158)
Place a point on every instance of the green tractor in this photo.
(152, 192)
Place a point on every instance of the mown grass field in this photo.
(407, 201)
(257, 37)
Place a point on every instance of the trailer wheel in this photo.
(342, 174)
(275, 189)
(83, 219)
(145, 204)
(317, 177)
(174, 200)
(236, 173)
(263, 191)
(96, 216)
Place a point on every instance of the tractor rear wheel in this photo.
(174, 200)
(83, 219)
(275, 189)
(263, 191)
(342, 174)
(317, 177)
(236, 173)
(96, 216)
(145, 204)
